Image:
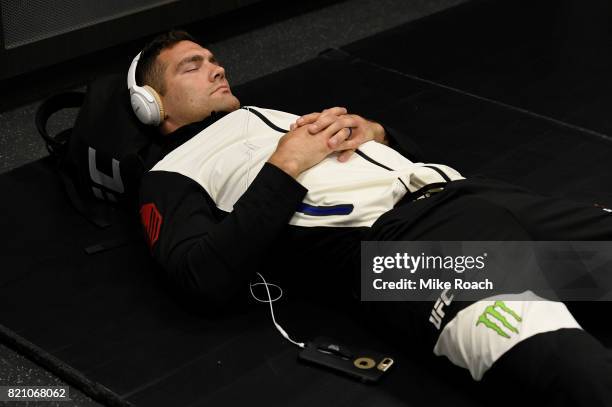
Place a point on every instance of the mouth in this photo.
(221, 88)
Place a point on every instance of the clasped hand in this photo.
(316, 135)
(349, 131)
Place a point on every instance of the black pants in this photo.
(566, 367)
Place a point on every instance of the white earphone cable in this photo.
(270, 301)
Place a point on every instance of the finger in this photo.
(337, 139)
(292, 126)
(345, 155)
(337, 111)
(326, 117)
(351, 144)
(338, 124)
(308, 118)
(312, 117)
(323, 122)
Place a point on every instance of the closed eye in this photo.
(192, 68)
(190, 62)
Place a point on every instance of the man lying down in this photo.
(238, 187)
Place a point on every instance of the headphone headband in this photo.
(145, 101)
(131, 77)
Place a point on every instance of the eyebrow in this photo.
(194, 58)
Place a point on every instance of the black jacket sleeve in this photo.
(204, 251)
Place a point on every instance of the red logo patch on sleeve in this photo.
(151, 220)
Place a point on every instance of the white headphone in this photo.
(146, 103)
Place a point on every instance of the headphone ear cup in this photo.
(160, 105)
(147, 105)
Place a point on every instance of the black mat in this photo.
(551, 57)
(110, 317)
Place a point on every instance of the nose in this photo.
(217, 73)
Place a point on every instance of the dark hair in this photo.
(151, 72)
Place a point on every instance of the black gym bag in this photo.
(103, 157)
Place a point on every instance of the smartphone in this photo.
(365, 365)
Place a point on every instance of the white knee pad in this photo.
(482, 332)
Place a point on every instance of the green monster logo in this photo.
(493, 312)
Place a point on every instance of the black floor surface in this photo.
(505, 115)
(548, 57)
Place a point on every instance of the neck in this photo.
(168, 126)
